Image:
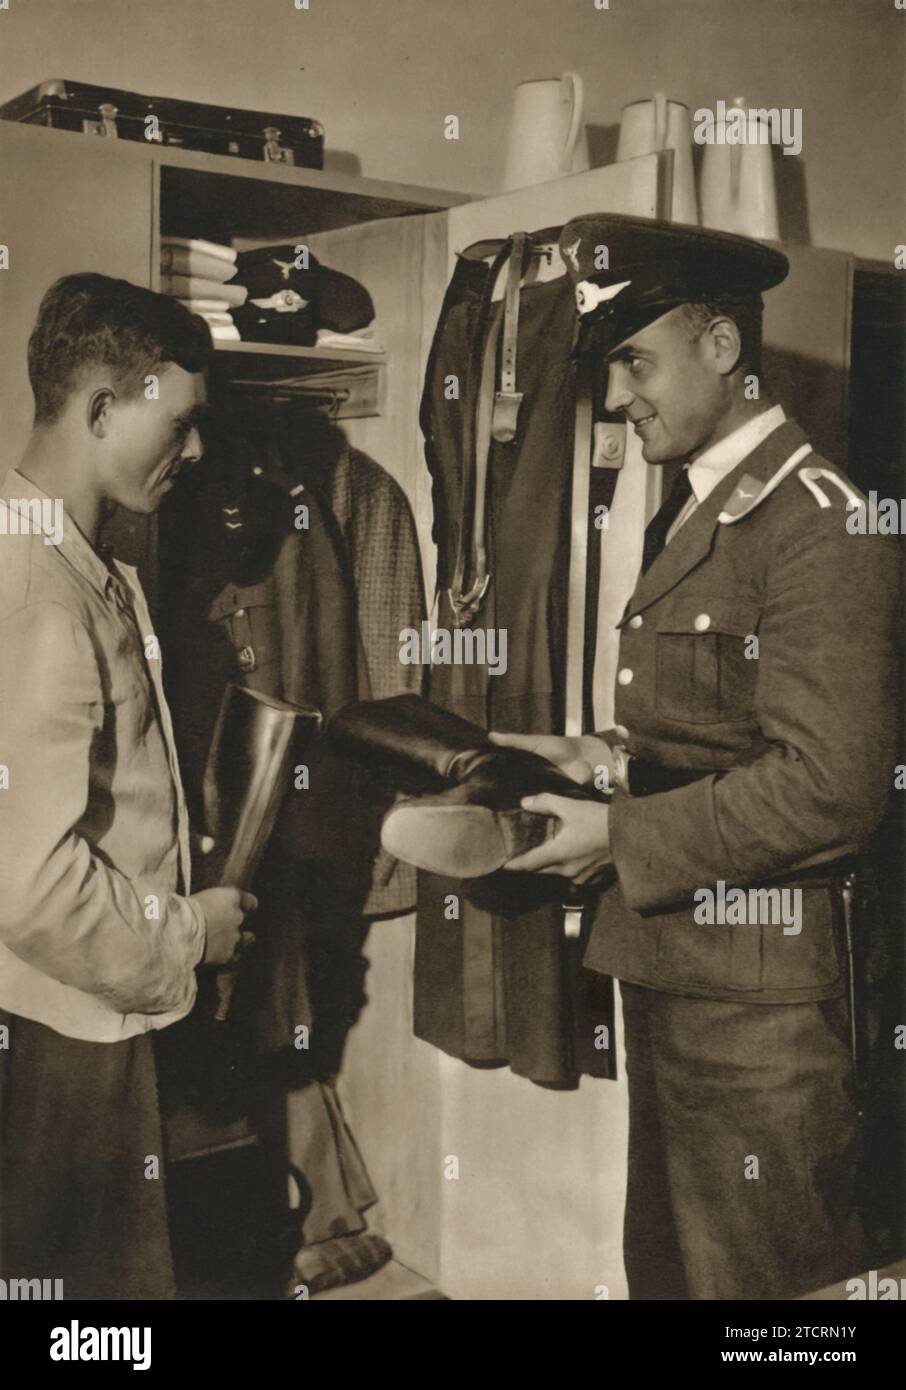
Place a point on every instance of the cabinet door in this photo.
(70, 204)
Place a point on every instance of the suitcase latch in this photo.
(274, 152)
(106, 126)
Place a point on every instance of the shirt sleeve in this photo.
(825, 705)
(64, 908)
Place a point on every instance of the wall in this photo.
(382, 74)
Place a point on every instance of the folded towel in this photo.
(179, 260)
(206, 248)
(363, 342)
(219, 320)
(190, 287)
(205, 306)
(224, 335)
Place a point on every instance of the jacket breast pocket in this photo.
(706, 660)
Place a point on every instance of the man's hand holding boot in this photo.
(580, 850)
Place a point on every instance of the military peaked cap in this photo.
(629, 271)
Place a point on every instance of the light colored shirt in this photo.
(715, 463)
(96, 940)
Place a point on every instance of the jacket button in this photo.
(636, 621)
(702, 622)
(621, 731)
(240, 613)
(624, 676)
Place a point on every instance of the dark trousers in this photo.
(743, 1148)
(78, 1124)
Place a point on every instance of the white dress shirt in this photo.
(706, 471)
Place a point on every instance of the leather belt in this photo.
(496, 412)
(470, 576)
(507, 399)
(577, 596)
(641, 778)
(472, 558)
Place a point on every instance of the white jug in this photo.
(547, 138)
(658, 124)
(738, 193)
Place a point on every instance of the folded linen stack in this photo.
(197, 272)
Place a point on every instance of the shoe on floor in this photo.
(329, 1264)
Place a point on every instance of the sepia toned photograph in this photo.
(452, 745)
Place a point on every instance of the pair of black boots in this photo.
(459, 813)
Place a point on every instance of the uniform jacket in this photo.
(795, 744)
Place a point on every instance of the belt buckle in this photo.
(466, 605)
(505, 415)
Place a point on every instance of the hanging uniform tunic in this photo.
(502, 984)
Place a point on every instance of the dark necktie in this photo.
(664, 517)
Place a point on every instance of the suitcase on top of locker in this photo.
(120, 115)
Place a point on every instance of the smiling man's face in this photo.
(671, 386)
(152, 439)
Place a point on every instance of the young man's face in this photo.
(669, 385)
(150, 440)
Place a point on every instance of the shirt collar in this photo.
(715, 463)
(91, 563)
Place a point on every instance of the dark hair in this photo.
(85, 319)
(745, 313)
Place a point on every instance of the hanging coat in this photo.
(502, 984)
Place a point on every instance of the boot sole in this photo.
(461, 841)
